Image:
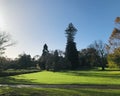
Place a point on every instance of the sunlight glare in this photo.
(2, 22)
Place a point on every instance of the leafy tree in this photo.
(88, 58)
(55, 62)
(61, 53)
(25, 61)
(114, 40)
(114, 45)
(114, 59)
(71, 53)
(117, 23)
(101, 49)
(49, 62)
(36, 61)
(3, 63)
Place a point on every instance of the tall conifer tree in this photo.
(71, 53)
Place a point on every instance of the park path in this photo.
(61, 86)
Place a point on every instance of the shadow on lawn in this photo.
(99, 92)
(11, 80)
(92, 73)
(57, 92)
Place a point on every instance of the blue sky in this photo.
(32, 23)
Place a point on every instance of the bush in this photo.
(12, 72)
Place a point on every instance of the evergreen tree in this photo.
(43, 59)
(71, 53)
(56, 66)
(45, 49)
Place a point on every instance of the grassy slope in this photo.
(69, 77)
(7, 91)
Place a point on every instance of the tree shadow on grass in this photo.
(11, 80)
(92, 74)
(58, 92)
(96, 92)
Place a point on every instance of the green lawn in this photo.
(89, 78)
(9, 91)
(68, 77)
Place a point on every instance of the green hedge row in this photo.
(16, 72)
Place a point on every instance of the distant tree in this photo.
(49, 62)
(114, 45)
(71, 53)
(5, 41)
(114, 59)
(36, 61)
(25, 61)
(117, 23)
(52, 61)
(88, 58)
(114, 40)
(45, 49)
(36, 57)
(61, 53)
(101, 49)
(3, 63)
(44, 57)
(55, 62)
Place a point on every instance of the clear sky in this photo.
(32, 23)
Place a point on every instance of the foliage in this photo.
(44, 57)
(114, 40)
(111, 63)
(114, 58)
(52, 60)
(12, 72)
(100, 47)
(71, 53)
(93, 56)
(88, 58)
(24, 61)
(5, 63)
(5, 42)
(114, 46)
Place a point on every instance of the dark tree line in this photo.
(57, 60)
(53, 60)
(93, 56)
(97, 54)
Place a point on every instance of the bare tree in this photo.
(5, 41)
(101, 49)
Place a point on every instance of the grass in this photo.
(68, 77)
(109, 78)
(10, 91)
